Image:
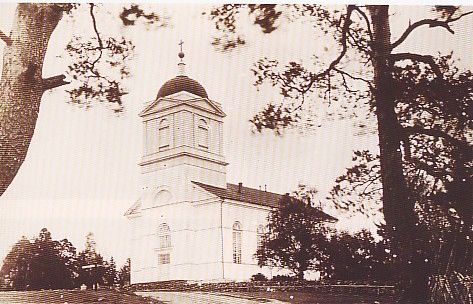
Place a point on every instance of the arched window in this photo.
(161, 198)
(237, 243)
(203, 134)
(259, 237)
(163, 134)
(164, 236)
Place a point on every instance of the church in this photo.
(189, 223)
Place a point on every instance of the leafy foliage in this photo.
(41, 264)
(359, 190)
(124, 278)
(111, 274)
(299, 240)
(422, 105)
(96, 61)
(44, 263)
(358, 258)
(130, 15)
(295, 232)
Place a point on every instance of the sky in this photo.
(81, 173)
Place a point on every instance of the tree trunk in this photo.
(22, 86)
(398, 204)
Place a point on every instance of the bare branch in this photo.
(5, 38)
(367, 21)
(431, 23)
(419, 58)
(54, 82)
(368, 82)
(346, 27)
(94, 22)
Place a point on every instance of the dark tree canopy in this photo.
(358, 258)
(44, 263)
(41, 264)
(295, 232)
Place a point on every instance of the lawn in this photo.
(72, 296)
(298, 297)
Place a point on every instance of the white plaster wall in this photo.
(197, 233)
(250, 217)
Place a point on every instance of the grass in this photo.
(114, 297)
(298, 297)
(73, 296)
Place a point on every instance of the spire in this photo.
(181, 66)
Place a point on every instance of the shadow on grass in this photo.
(73, 296)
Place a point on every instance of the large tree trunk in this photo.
(22, 85)
(398, 205)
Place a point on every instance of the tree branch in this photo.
(94, 22)
(5, 38)
(368, 82)
(419, 58)
(416, 129)
(432, 171)
(367, 21)
(431, 23)
(346, 27)
(53, 82)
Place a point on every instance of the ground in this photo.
(113, 297)
(72, 296)
(267, 297)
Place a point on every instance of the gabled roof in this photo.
(248, 195)
(253, 196)
(213, 107)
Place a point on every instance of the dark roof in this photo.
(249, 195)
(182, 83)
(253, 196)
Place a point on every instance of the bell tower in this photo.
(182, 139)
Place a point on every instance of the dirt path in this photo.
(169, 297)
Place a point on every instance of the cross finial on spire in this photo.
(181, 53)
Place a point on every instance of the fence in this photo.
(265, 287)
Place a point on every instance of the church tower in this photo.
(182, 145)
(183, 138)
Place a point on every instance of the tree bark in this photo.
(21, 86)
(398, 204)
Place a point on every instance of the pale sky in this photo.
(81, 172)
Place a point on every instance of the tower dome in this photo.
(182, 83)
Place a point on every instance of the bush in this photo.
(283, 279)
(259, 277)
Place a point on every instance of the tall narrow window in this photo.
(164, 236)
(237, 243)
(259, 237)
(163, 134)
(164, 244)
(203, 134)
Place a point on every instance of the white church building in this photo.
(189, 223)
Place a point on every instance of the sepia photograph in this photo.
(236, 153)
